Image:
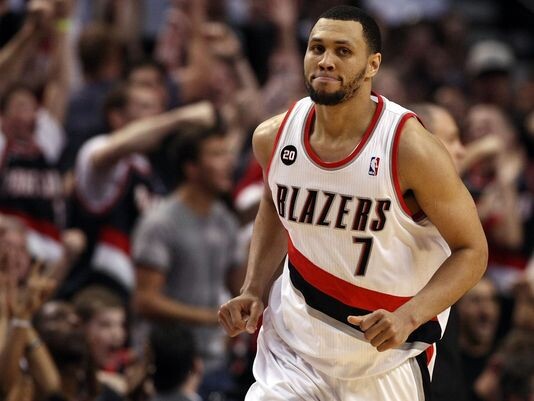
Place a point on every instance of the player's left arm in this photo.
(426, 168)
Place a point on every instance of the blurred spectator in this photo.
(495, 174)
(103, 317)
(389, 84)
(489, 65)
(185, 249)
(102, 61)
(517, 377)
(178, 368)
(149, 72)
(27, 367)
(31, 135)
(284, 82)
(114, 183)
(182, 48)
(31, 185)
(478, 311)
(509, 374)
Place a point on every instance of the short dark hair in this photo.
(185, 146)
(371, 32)
(116, 99)
(96, 44)
(147, 62)
(95, 298)
(174, 352)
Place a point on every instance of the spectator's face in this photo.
(223, 84)
(215, 165)
(20, 114)
(143, 102)
(62, 333)
(447, 131)
(483, 120)
(106, 334)
(479, 314)
(15, 242)
(149, 77)
(336, 60)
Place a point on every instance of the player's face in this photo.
(337, 61)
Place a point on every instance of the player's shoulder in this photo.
(264, 138)
(421, 156)
(416, 142)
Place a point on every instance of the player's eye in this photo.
(343, 51)
(316, 48)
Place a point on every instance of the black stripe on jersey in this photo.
(429, 332)
(425, 374)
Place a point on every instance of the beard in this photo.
(345, 93)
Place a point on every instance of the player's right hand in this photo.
(241, 313)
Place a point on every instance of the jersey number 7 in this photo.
(367, 245)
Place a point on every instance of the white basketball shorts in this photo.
(281, 375)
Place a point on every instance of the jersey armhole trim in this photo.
(277, 139)
(394, 167)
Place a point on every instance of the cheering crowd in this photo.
(128, 188)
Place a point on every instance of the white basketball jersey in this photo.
(354, 246)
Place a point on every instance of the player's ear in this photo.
(373, 64)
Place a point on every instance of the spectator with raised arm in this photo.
(115, 183)
(182, 48)
(496, 175)
(101, 55)
(23, 296)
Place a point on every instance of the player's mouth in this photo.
(325, 78)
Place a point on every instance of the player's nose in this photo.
(326, 62)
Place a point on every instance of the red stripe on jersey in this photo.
(354, 153)
(394, 166)
(429, 354)
(277, 139)
(43, 227)
(343, 291)
(115, 238)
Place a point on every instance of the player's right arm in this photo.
(268, 245)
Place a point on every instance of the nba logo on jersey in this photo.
(373, 166)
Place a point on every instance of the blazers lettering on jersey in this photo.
(361, 209)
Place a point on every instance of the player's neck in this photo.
(348, 119)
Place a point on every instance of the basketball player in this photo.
(380, 234)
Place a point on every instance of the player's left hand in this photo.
(383, 329)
